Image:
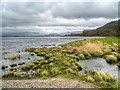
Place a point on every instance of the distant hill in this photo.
(109, 29)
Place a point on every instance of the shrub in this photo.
(111, 59)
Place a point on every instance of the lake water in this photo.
(18, 44)
(100, 64)
(11, 45)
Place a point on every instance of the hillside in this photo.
(109, 29)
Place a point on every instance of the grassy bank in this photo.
(63, 60)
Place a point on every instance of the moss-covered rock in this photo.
(25, 68)
(118, 57)
(14, 56)
(118, 65)
(106, 51)
(3, 67)
(90, 79)
(13, 65)
(81, 56)
(113, 53)
(44, 73)
(79, 66)
(21, 63)
(55, 70)
(111, 59)
(98, 54)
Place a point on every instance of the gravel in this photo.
(49, 83)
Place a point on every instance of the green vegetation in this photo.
(110, 29)
(63, 60)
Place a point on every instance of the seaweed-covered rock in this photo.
(111, 59)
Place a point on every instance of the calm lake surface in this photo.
(12, 45)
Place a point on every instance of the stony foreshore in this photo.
(49, 83)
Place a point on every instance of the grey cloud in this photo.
(86, 10)
(56, 13)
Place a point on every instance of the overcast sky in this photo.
(55, 17)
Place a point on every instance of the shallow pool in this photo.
(100, 64)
